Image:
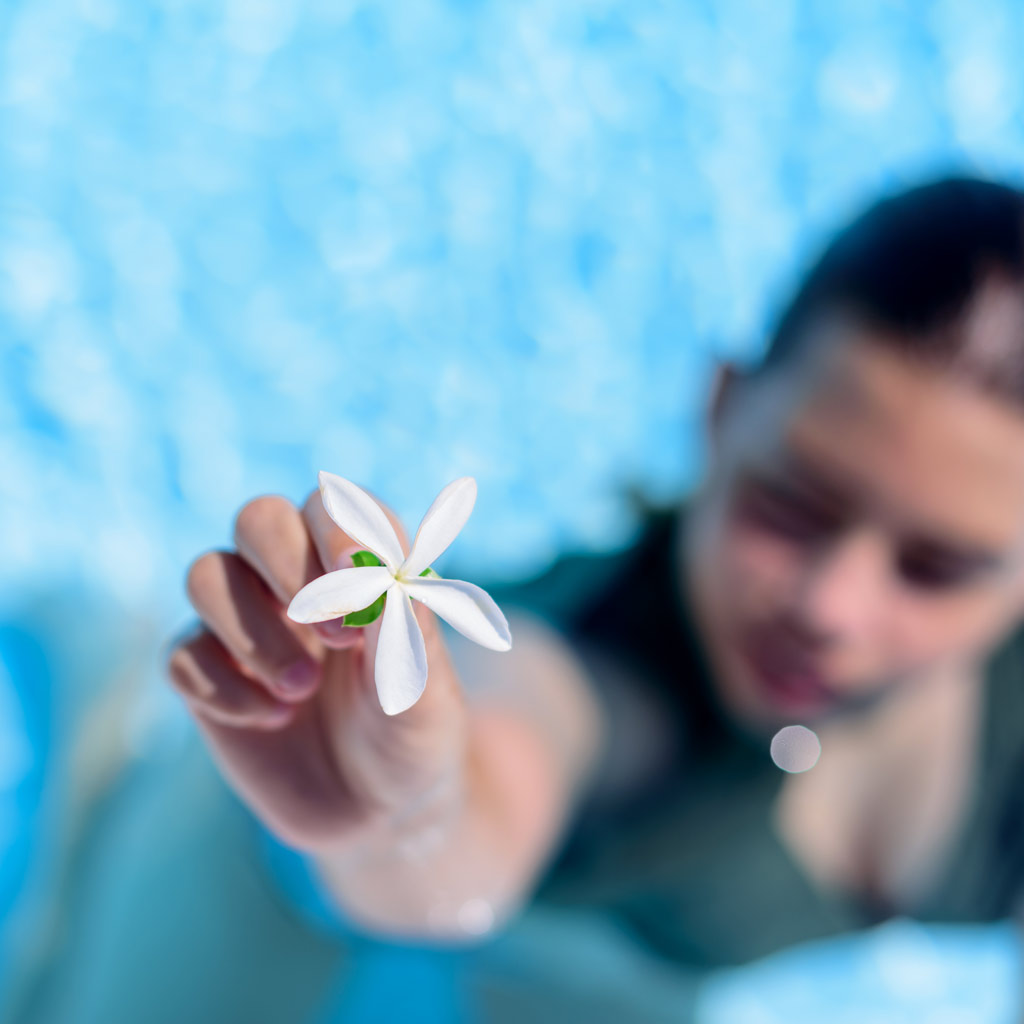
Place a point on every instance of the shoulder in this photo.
(583, 591)
(1003, 682)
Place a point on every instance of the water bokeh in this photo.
(243, 241)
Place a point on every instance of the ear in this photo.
(723, 392)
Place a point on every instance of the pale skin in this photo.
(436, 822)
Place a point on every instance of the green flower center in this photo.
(366, 615)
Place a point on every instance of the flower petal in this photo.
(340, 592)
(469, 608)
(400, 664)
(360, 517)
(441, 524)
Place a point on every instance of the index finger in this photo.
(330, 541)
(333, 546)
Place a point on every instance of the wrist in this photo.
(407, 829)
(421, 821)
(432, 869)
(423, 826)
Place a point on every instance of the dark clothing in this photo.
(693, 868)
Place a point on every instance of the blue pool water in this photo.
(243, 241)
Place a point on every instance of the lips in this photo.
(786, 675)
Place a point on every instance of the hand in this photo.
(290, 712)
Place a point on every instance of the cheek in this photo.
(755, 569)
(921, 632)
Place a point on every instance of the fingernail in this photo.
(333, 627)
(344, 560)
(335, 632)
(299, 677)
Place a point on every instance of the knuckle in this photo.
(261, 515)
(203, 574)
(239, 712)
(313, 501)
(276, 717)
(176, 668)
(212, 712)
(184, 677)
(174, 646)
(259, 657)
(178, 659)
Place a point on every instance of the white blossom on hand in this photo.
(400, 668)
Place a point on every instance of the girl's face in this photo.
(861, 525)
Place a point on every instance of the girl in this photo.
(852, 562)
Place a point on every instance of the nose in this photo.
(840, 592)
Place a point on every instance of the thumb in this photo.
(441, 682)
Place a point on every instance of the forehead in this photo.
(915, 445)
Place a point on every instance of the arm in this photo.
(418, 822)
(466, 858)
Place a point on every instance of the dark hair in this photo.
(911, 266)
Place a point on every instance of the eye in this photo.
(934, 573)
(784, 511)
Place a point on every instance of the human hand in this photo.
(290, 711)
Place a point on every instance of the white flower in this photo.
(400, 669)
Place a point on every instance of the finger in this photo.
(203, 672)
(333, 547)
(270, 534)
(442, 683)
(241, 612)
(330, 541)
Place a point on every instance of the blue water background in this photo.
(243, 241)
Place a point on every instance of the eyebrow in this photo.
(808, 473)
(835, 488)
